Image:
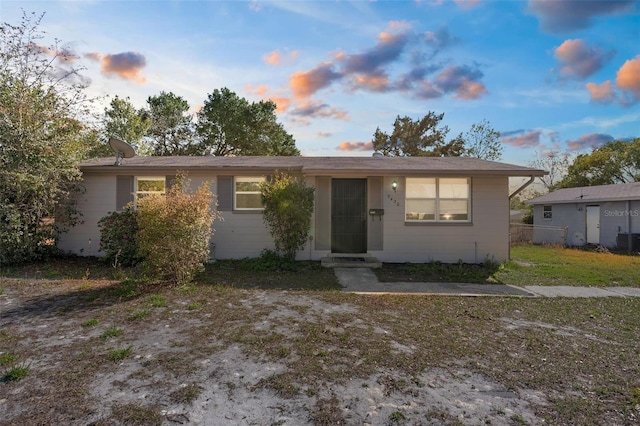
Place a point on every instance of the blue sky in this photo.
(549, 75)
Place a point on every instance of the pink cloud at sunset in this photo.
(627, 86)
(526, 140)
(276, 58)
(592, 140)
(305, 83)
(580, 60)
(126, 65)
(356, 146)
(602, 93)
(628, 77)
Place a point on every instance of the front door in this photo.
(593, 224)
(349, 215)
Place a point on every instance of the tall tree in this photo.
(555, 163)
(230, 125)
(483, 141)
(614, 162)
(123, 121)
(419, 138)
(170, 131)
(42, 97)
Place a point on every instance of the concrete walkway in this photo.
(363, 280)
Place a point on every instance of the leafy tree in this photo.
(123, 121)
(420, 138)
(288, 206)
(614, 162)
(483, 141)
(170, 130)
(174, 230)
(230, 125)
(42, 95)
(555, 163)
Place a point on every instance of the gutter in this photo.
(519, 190)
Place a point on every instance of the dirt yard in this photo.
(103, 353)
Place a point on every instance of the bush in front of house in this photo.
(119, 237)
(174, 230)
(288, 206)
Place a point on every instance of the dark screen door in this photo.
(349, 215)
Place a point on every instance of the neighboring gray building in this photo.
(608, 215)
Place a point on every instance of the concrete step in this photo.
(358, 260)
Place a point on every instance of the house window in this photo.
(547, 213)
(145, 185)
(247, 193)
(437, 200)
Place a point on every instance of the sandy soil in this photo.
(227, 381)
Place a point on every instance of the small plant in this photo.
(119, 354)
(127, 288)
(7, 359)
(138, 315)
(516, 418)
(119, 238)
(186, 393)
(90, 323)
(157, 301)
(136, 414)
(397, 416)
(15, 373)
(288, 207)
(111, 332)
(193, 306)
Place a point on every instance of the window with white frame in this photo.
(247, 193)
(438, 200)
(146, 185)
(547, 213)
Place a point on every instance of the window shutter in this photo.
(323, 213)
(124, 191)
(170, 180)
(225, 193)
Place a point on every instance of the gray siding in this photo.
(323, 213)
(615, 217)
(244, 234)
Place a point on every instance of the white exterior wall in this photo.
(486, 237)
(98, 200)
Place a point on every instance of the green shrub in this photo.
(288, 206)
(174, 230)
(119, 237)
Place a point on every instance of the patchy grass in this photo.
(90, 323)
(530, 265)
(248, 274)
(437, 272)
(15, 373)
(119, 354)
(545, 265)
(136, 414)
(111, 332)
(580, 355)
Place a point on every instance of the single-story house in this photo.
(402, 209)
(606, 215)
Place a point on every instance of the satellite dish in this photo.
(122, 150)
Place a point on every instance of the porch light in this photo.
(394, 185)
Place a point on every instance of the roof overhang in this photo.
(316, 166)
